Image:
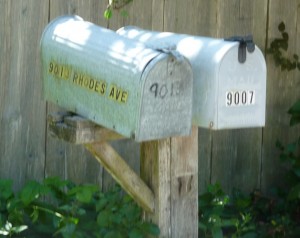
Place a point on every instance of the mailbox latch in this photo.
(246, 42)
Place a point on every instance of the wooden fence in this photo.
(244, 158)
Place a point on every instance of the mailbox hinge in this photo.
(246, 42)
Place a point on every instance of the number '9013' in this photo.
(240, 98)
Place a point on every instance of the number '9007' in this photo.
(240, 98)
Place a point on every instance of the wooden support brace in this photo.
(169, 167)
(123, 174)
(78, 130)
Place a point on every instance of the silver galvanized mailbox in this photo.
(229, 76)
(116, 82)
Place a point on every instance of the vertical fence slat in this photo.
(236, 154)
(22, 110)
(282, 91)
(63, 159)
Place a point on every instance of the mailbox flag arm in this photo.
(246, 42)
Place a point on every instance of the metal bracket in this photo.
(246, 42)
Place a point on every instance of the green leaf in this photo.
(32, 191)
(108, 13)
(56, 182)
(295, 109)
(136, 233)
(67, 230)
(6, 189)
(285, 36)
(19, 229)
(250, 235)
(84, 193)
(113, 234)
(294, 193)
(295, 113)
(281, 27)
(202, 226)
(103, 219)
(217, 232)
(150, 229)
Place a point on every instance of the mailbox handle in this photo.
(169, 49)
(246, 42)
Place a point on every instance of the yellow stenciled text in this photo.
(117, 94)
(60, 71)
(89, 82)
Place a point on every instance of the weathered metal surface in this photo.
(116, 82)
(229, 84)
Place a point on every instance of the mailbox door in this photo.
(166, 105)
(242, 90)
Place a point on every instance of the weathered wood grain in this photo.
(22, 110)
(64, 159)
(283, 89)
(123, 174)
(156, 172)
(236, 154)
(170, 168)
(184, 185)
(239, 158)
(78, 130)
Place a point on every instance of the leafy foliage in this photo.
(58, 208)
(278, 49)
(224, 216)
(255, 215)
(115, 5)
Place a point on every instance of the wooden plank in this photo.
(156, 172)
(78, 130)
(22, 110)
(139, 13)
(170, 168)
(63, 159)
(135, 13)
(158, 7)
(224, 156)
(184, 185)
(282, 91)
(198, 17)
(236, 154)
(123, 174)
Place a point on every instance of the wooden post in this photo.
(170, 168)
(168, 190)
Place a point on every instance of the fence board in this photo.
(22, 110)
(222, 153)
(236, 154)
(196, 17)
(63, 159)
(242, 158)
(282, 92)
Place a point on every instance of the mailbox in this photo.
(116, 82)
(229, 76)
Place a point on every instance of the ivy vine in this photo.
(277, 49)
(115, 5)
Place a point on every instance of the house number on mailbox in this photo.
(163, 90)
(240, 98)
